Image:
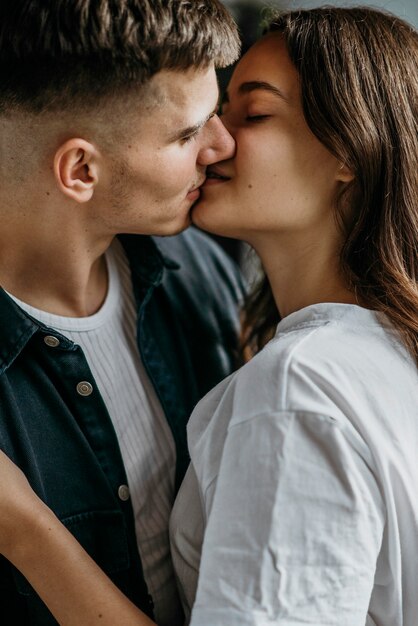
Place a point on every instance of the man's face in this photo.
(154, 179)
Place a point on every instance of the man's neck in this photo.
(65, 277)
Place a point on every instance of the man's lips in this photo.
(194, 193)
(198, 186)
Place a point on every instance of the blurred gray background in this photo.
(247, 12)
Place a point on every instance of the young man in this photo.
(107, 124)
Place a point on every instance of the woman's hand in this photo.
(20, 508)
(73, 587)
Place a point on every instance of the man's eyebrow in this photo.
(191, 130)
(255, 85)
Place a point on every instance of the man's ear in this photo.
(344, 173)
(76, 169)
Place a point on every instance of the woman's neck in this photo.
(303, 270)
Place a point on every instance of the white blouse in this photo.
(301, 502)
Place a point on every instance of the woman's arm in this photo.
(73, 587)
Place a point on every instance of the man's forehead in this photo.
(181, 100)
(182, 87)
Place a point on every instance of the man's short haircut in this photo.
(60, 54)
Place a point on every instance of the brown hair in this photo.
(65, 53)
(359, 81)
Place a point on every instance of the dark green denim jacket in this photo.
(187, 294)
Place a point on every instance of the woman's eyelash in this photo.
(256, 118)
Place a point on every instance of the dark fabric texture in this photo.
(188, 294)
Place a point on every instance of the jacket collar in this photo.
(146, 259)
(17, 327)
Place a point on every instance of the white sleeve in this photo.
(294, 527)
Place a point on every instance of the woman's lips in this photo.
(214, 181)
(214, 177)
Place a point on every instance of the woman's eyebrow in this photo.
(255, 85)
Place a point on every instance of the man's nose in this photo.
(219, 143)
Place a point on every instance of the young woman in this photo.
(300, 505)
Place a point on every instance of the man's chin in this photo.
(160, 230)
(175, 229)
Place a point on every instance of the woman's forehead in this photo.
(267, 61)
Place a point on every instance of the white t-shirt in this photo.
(108, 339)
(304, 478)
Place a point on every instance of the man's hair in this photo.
(60, 54)
(358, 70)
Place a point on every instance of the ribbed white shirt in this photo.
(108, 339)
(301, 503)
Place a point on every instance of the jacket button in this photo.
(123, 493)
(51, 341)
(84, 388)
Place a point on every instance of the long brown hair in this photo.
(358, 69)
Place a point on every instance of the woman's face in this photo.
(281, 178)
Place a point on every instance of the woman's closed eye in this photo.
(256, 118)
